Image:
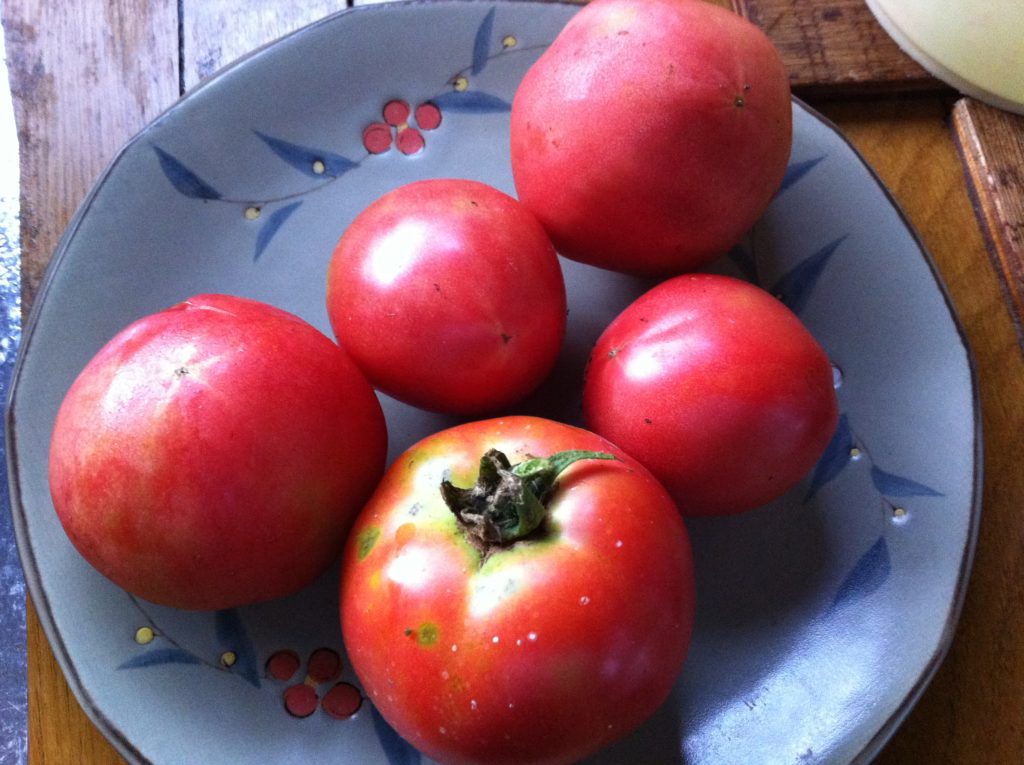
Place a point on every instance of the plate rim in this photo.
(874, 746)
(27, 554)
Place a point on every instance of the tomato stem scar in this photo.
(508, 502)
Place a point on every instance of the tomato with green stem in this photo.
(517, 591)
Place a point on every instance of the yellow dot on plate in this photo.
(460, 83)
(509, 41)
(855, 452)
(228, 658)
(319, 167)
(252, 213)
(144, 635)
(899, 512)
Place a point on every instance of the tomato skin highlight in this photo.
(215, 453)
(651, 134)
(449, 296)
(548, 649)
(717, 388)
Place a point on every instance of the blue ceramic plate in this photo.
(820, 618)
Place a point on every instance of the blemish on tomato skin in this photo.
(365, 541)
(427, 635)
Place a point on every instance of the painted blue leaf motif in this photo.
(797, 284)
(482, 43)
(745, 261)
(305, 159)
(159, 656)
(183, 179)
(398, 750)
(867, 575)
(270, 227)
(232, 637)
(834, 459)
(471, 101)
(892, 485)
(796, 171)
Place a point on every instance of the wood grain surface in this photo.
(206, 46)
(991, 146)
(88, 75)
(836, 48)
(85, 77)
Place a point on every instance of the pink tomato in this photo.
(215, 453)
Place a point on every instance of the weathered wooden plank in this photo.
(85, 77)
(991, 146)
(216, 32)
(835, 47)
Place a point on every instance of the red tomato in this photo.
(449, 296)
(537, 649)
(651, 135)
(717, 388)
(215, 453)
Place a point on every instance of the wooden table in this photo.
(87, 75)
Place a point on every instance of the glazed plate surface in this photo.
(820, 618)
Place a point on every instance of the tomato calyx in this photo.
(509, 502)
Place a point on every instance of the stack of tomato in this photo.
(514, 590)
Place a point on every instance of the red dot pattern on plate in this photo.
(377, 138)
(283, 664)
(342, 701)
(324, 665)
(301, 697)
(402, 127)
(396, 113)
(300, 700)
(428, 116)
(410, 141)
